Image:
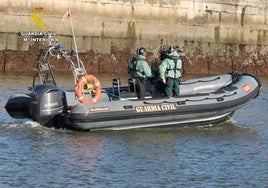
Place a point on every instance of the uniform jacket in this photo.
(138, 67)
(170, 67)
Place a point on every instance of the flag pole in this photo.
(75, 46)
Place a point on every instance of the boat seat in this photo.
(132, 85)
(116, 83)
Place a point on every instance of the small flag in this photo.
(67, 15)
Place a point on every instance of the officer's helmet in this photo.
(172, 49)
(141, 51)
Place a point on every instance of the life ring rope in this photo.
(88, 78)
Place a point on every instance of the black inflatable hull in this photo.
(207, 100)
(191, 109)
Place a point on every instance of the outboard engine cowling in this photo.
(47, 101)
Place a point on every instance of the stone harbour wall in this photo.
(217, 36)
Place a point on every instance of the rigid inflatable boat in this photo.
(88, 106)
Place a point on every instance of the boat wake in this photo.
(32, 124)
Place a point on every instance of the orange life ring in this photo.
(88, 78)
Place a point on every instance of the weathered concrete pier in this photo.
(217, 37)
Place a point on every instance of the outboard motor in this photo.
(47, 101)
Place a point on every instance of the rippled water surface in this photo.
(232, 154)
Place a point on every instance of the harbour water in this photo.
(231, 154)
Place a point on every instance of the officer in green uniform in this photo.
(139, 69)
(170, 73)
